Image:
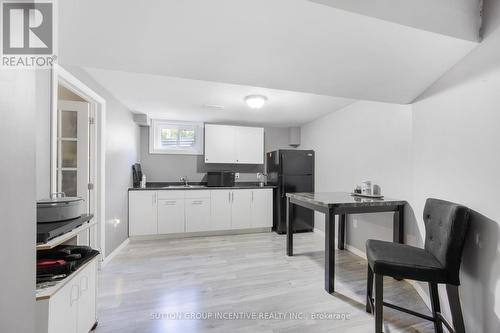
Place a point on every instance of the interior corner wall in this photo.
(363, 141)
(456, 149)
(18, 107)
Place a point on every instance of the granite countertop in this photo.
(342, 199)
(198, 186)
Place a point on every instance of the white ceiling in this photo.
(290, 45)
(184, 99)
(456, 18)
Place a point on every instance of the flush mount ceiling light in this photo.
(255, 101)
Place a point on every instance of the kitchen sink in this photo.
(185, 186)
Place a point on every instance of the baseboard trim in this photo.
(202, 234)
(110, 256)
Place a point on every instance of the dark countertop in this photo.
(199, 186)
(342, 199)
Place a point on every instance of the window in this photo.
(168, 137)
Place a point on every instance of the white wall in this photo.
(365, 140)
(456, 142)
(122, 150)
(446, 145)
(170, 167)
(17, 200)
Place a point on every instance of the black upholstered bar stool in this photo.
(446, 226)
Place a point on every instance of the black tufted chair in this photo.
(446, 226)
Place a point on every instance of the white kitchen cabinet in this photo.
(171, 216)
(87, 299)
(219, 144)
(262, 208)
(143, 219)
(70, 308)
(221, 210)
(249, 143)
(241, 209)
(234, 144)
(197, 214)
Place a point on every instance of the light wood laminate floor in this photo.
(156, 286)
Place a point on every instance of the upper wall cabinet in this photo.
(234, 144)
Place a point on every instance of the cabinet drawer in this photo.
(175, 194)
(198, 194)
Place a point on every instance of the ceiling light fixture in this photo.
(255, 101)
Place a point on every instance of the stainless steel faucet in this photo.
(185, 180)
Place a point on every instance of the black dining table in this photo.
(341, 204)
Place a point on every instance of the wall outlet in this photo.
(237, 175)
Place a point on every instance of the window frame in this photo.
(155, 137)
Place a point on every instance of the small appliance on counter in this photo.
(220, 179)
(137, 175)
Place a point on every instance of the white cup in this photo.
(366, 188)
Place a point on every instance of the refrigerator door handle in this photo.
(283, 186)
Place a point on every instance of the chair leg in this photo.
(435, 307)
(455, 307)
(379, 299)
(369, 290)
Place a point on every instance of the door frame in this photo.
(60, 76)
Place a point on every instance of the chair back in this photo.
(446, 226)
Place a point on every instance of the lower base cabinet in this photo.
(177, 211)
(72, 308)
(197, 214)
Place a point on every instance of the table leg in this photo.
(330, 252)
(289, 228)
(398, 226)
(341, 236)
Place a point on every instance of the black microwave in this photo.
(220, 178)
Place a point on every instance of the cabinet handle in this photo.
(252, 196)
(170, 203)
(71, 298)
(198, 202)
(232, 196)
(86, 279)
(229, 197)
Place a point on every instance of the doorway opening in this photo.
(77, 150)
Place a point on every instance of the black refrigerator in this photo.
(291, 171)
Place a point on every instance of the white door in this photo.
(250, 145)
(219, 144)
(170, 216)
(197, 214)
(241, 210)
(143, 213)
(87, 300)
(73, 159)
(262, 208)
(221, 210)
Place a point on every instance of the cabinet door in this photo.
(87, 300)
(249, 145)
(63, 309)
(219, 144)
(241, 217)
(197, 215)
(142, 213)
(170, 216)
(221, 210)
(262, 208)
